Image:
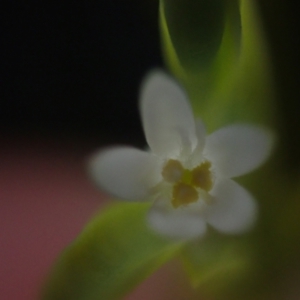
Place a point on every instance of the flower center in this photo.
(186, 182)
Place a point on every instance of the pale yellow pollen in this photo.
(201, 176)
(183, 194)
(172, 171)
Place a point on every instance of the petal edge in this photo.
(176, 223)
(234, 210)
(167, 117)
(125, 172)
(238, 149)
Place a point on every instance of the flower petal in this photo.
(176, 223)
(166, 115)
(125, 172)
(197, 156)
(234, 209)
(238, 149)
(201, 134)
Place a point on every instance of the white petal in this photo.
(234, 210)
(176, 223)
(197, 156)
(125, 172)
(238, 149)
(166, 115)
(201, 134)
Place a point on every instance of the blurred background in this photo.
(73, 70)
(70, 75)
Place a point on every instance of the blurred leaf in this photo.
(217, 264)
(200, 37)
(235, 83)
(195, 28)
(242, 90)
(114, 253)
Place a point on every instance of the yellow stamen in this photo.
(183, 194)
(172, 171)
(201, 176)
(187, 176)
(186, 183)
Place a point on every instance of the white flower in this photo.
(186, 174)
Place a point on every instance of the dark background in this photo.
(72, 69)
(282, 27)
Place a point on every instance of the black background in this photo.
(73, 68)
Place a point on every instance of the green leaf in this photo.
(114, 253)
(195, 28)
(219, 265)
(241, 85)
(223, 64)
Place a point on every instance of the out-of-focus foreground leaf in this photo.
(114, 253)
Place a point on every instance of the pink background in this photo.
(45, 200)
